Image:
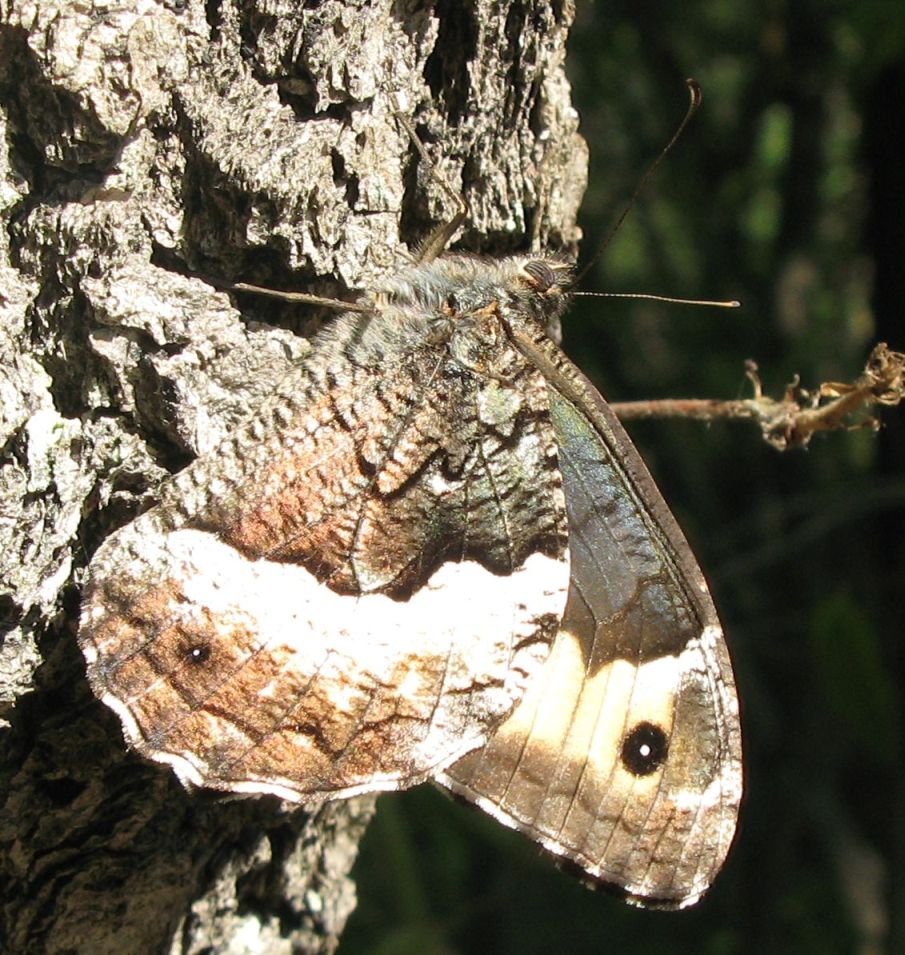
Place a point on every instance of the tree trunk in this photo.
(152, 151)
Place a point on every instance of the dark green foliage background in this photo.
(788, 192)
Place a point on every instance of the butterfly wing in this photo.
(624, 757)
(356, 588)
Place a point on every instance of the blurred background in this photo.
(788, 193)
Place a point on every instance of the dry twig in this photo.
(792, 421)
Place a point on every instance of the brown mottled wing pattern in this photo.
(357, 587)
(359, 590)
(624, 757)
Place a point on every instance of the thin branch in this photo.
(792, 421)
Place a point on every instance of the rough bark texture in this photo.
(151, 148)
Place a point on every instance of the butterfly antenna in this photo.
(660, 298)
(694, 93)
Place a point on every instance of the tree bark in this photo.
(153, 150)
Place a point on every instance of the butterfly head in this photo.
(539, 288)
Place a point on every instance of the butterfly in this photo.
(434, 554)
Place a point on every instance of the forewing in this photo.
(624, 757)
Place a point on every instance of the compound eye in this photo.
(542, 277)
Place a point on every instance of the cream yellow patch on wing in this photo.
(565, 709)
(569, 728)
(555, 768)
